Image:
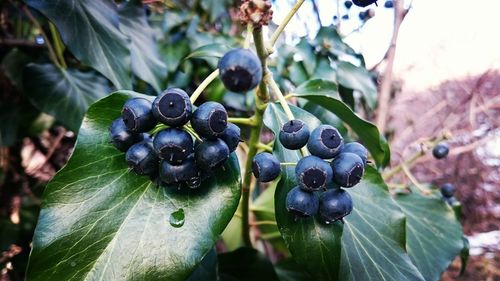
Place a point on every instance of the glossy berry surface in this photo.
(142, 159)
(120, 137)
(325, 142)
(266, 167)
(363, 3)
(313, 173)
(334, 204)
(294, 134)
(302, 203)
(240, 70)
(137, 115)
(185, 171)
(210, 120)
(389, 4)
(173, 107)
(356, 148)
(210, 154)
(231, 136)
(173, 145)
(440, 151)
(348, 169)
(447, 190)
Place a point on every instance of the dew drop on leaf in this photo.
(177, 218)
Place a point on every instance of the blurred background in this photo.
(436, 65)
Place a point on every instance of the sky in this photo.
(438, 41)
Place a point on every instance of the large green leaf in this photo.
(357, 78)
(99, 221)
(215, 50)
(146, 63)
(371, 245)
(207, 268)
(434, 235)
(91, 31)
(246, 264)
(366, 131)
(64, 93)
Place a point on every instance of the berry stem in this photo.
(415, 182)
(284, 23)
(58, 44)
(264, 147)
(248, 38)
(288, 164)
(197, 93)
(242, 121)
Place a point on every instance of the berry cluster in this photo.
(174, 155)
(314, 173)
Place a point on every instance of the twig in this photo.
(415, 182)
(196, 94)
(282, 26)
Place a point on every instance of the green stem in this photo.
(288, 163)
(59, 46)
(262, 97)
(242, 121)
(246, 45)
(264, 147)
(282, 26)
(204, 85)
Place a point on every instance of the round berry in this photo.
(120, 137)
(348, 169)
(313, 173)
(240, 70)
(231, 136)
(389, 4)
(137, 115)
(173, 145)
(363, 3)
(142, 158)
(356, 148)
(440, 151)
(447, 190)
(325, 142)
(186, 171)
(345, 17)
(210, 120)
(294, 134)
(173, 107)
(302, 203)
(334, 204)
(266, 167)
(210, 154)
(348, 4)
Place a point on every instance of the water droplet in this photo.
(177, 218)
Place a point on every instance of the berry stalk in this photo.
(282, 26)
(197, 93)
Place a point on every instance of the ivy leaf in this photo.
(357, 78)
(207, 269)
(91, 31)
(99, 221)
(371, 244)
(214, 8)
(246, 264)
(146, 62)
(434, 235)
(366, 131)
(64, 93)
(215, 50)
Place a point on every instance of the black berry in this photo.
(325, 142)
(173, 107)
(240, 70)
(183, 172)
(313, 173)
(348, 169)
(294, 134)
(440, 151)
(266, 167)
(142, 159)
(348, 4)
(137, 115)
(173, 145)
(302, 203)
(231, 136)
(210, 120)
(334, 204)
(447, 190)
(363, 3)
(120, 137)
(356, 148)
(389, 4)
(210, 154)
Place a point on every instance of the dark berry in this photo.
(325, 142)
(173, 145)
(348, 4)
(356, 148)
(210, 120)
(440, 151)
(294, 134)
(231, 136)
(363, 3)
(266, 167)
(348, 169)
(185, 171)
(389, 4)
(210, 154)
(447, 190)
(313, 173)
(345, 17)
(302, 203)
(450, 200)
(362, 15)
(240, 70)
(137, 115)
(173, 107)
(334, 204)
(120, 137)
(142, 158)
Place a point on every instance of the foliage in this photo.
(98, 221)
